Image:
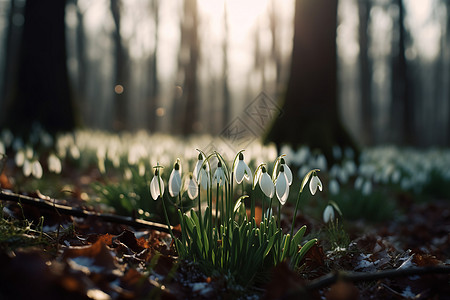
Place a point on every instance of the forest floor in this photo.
(46, 253)
(93, 259)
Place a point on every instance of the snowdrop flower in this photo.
(198, 166)
(367, 188)
(74, 152)
(54, 164)
(242, 171)
(203, 177)
(359, 182)
(36, 169)
(219, 175)
(266, 183)
(337, 152)
(314, 184)
(328, 214)
(2, 148)
(191, 187)
(282, 186)
(19, 158)
(287, 170)
(334, 187)
(156, 185)
(175, 180)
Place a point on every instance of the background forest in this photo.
(190, 66)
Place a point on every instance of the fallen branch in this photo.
(336, 276)
(51, 204)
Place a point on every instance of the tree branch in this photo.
(49, 203)
(334, 277)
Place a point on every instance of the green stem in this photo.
(167, 218)
(281, 232)
(263, 198)
(293, 220)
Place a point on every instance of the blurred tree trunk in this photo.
(154, 85)
(364, 7)
(82, 61)
(11, 57)
(41, 90)
(226, 91)
(186, 106)
(121, 70)
(275, 51)
(446, 49)
(310, 111)
(402, 107)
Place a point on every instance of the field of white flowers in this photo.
(227, 208)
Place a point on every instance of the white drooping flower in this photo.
(19, 159)
(219, 175)
(282, 186)
(27, 168)
(156, 186)
(175, 180)
(314, 184)
(191, 187)
(334, 186)
(241, 170)
(203, 177)
(198, 167)
(54, 164)
(328, 213)
(36, 169)
(287, 170)
(266, 183)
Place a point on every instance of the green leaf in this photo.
(301, 253)
(239, 202)
(296, 240)
(271, 242)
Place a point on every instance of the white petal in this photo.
(192, 189)
(37, 169)
(197, 168)
(288, 173)
(314, 183)
(334, 186)
(282, 188)
(219, 176)
(328, 214)
(204, 181)
(174, 183)
(155, 189)
(248, 174)
(20, 158)
(240, 171)
(27, 168)
(266, 185)
(54, 164)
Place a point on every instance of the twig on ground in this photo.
(336, 276)
(50, 204)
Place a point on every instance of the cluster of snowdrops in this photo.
(221, 235)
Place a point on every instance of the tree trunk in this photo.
(364, 7)
(42, 88)
(402, 107)
(121, 68)
(310, 111)
(185, 105)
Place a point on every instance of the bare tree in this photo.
(364, 7)
(402, 107)
(310, 110)
(40, 92)
(185, 107)
(121, 69)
